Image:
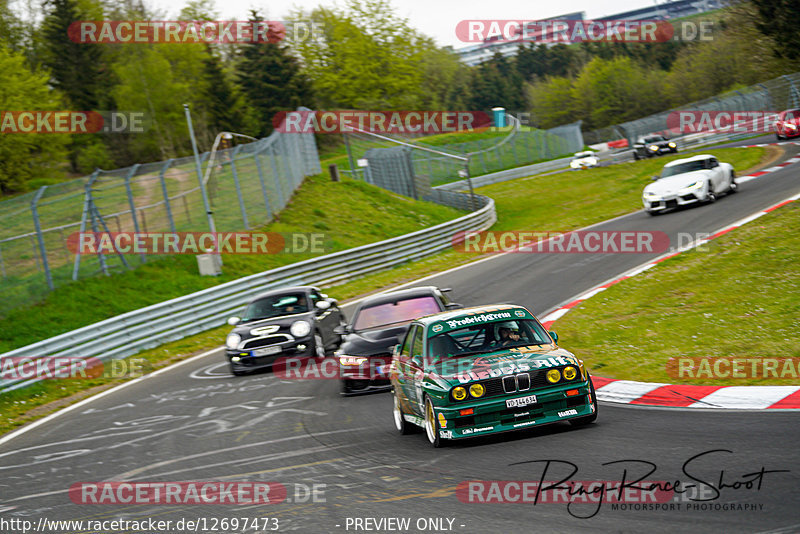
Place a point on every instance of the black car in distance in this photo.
(288, 322)
(378, 324)
(653, 145)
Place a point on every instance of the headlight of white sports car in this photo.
(300, 328)
(232, 341)
(649, 195)
(694, 187)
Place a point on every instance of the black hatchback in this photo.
(294, 321)
(378, 324)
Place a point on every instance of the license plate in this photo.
(521, 401)
(266, 351)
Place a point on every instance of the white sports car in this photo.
(584, 160)
(686, 181)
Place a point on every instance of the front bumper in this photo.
(492, 416)
(246, 359)
(370, 376)
(671, 201)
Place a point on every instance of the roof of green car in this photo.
(462, 312)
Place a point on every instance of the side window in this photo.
(416, 347)
(714, 163)
(405, 350)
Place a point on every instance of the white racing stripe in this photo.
(745, 397)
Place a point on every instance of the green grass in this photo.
(738, 297)
(348, 213)
(513, 201)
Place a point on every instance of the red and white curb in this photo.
(687, 396)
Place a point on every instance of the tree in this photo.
(271, 80)
(25, 157)
(222, 103)
(778, 20)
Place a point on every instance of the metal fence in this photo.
(129, 333)
(249, 183)
(773, 95)
(520, 146)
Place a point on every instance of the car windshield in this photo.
(390, 313)
(488, 337)
(275, 306)
(680, 168)
(653, 139)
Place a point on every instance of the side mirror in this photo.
(417, 360)
(233, 321)
(323, 305)
(655, 177)
(323, 295)
(341, 330)
(454, 306)
(395, 350)
(554, 336)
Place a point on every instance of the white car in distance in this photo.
(584, 160)
(688, 181)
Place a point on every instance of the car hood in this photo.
(672, 184)
(373, 342)
(283, 323)
(464, 370)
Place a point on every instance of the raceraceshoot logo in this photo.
(473, 319)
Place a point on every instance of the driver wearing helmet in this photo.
(506, 335)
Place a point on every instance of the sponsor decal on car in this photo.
(526, 423)
(567, 412)
(437, 328)
(446, 434)
(477, 429)
(519, 313)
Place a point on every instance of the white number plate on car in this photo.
(266, 351)
(521, 401)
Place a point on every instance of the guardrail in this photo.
(132, 332)
(508, 174)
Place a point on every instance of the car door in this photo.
(401, 363)
(416, 371)
(717, 175)
(327, 318)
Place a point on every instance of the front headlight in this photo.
(672, 145)
(477, 390)
(232, 341)
(688, 189)
(459, 393)
(570, 373)
(553, 376)
(300, 328)
(351, 360)
(650, 194)
(653, 148)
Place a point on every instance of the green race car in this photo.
(485, 370)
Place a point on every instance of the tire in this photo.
(402, 426)
(733, 186)
(711, 197)
(636, 156)
(432, 426)
(587, 419)
(778, 137)
(346, 389)
(319, 347)
(234, 371)
(652, 213)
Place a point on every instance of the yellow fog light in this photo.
(442, 420)
(553, 376)
(570, 373)
(459, 393)
(477, 390)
